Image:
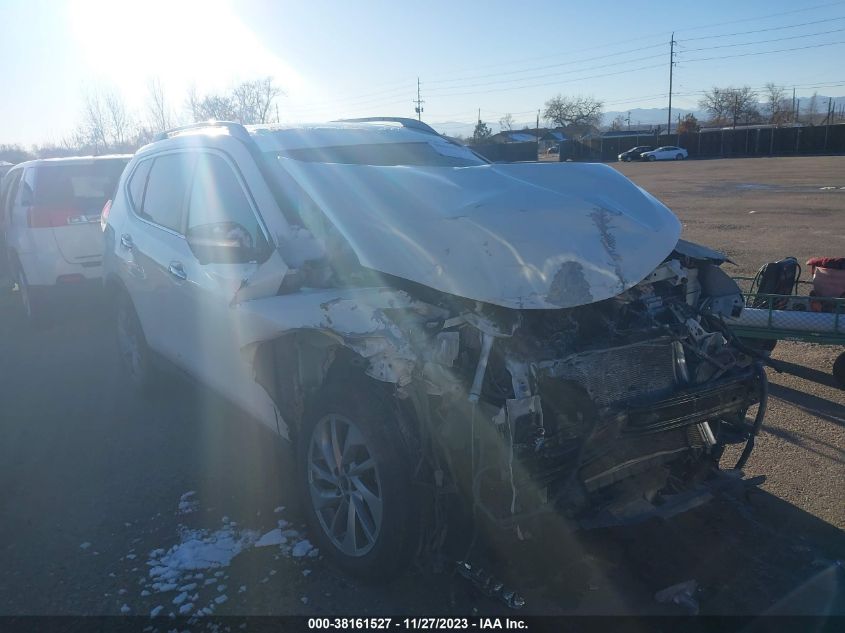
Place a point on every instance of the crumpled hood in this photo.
(523, 235)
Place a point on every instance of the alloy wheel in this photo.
(344, 485)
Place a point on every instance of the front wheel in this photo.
(679, 157)
(356, 484)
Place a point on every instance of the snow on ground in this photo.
(201, 552)
(187, 503)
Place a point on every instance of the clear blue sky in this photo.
(360, 58)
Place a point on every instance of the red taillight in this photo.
(104, 216)
(46, 217)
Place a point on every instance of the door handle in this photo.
(126, 241)
(177, 271)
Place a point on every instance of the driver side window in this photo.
(217, 198)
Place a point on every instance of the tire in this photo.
(679, 157)
(33, 300)
(767, 346)
(371, 487)
(135, 355)
(839, 369)
(652, 158)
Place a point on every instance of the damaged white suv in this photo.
(433, 331)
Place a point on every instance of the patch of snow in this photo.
(121, 592)
(125, 608)
(187, 504)
(209, 581)
(221, 599)
(131, 556)
(306, 572)
(279, 509)
(304, 599)
(242, 589)
(84, 545)
(221, 588)
(314, 553)
(145, 593)
(156, 611)
(302, 548)
(189, 587)
(273, 537)
(186, 608)
(272, 572)
(180, 598)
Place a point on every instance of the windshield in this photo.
(440, 154)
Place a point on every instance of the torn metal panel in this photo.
(513, 235)
(354, 317)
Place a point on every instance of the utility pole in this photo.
(418, 102)
(671, 68)
(628, 120)
(793, 104)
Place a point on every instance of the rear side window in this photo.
(81, 187)
(166, 188)
(137, 184)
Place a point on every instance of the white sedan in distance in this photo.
(668, 152)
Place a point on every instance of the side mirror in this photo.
(221, 243)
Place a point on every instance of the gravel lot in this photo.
(93, 476)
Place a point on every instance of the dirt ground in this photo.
(93, 474)
(759, 210)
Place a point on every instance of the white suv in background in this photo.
(51, 212)
(443, 339)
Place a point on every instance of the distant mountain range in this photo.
(640, 117)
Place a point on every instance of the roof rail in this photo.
(235, 129)
(413, 124)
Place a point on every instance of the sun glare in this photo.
(200, 43)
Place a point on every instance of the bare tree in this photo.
(731, 105)
(618, 123)
(580, 113)
(105, 123)
(247, 102)
(255, 99)
(506, 122)
(118, 121)
(777, 108)
(159, 113)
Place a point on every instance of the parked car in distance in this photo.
(51, 210)
(635, 153)
(667, 152)
(443, 339)
(554, 149)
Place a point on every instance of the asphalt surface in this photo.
(92, 474)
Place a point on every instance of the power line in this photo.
(772, 28)
(778, 39)
(780, 50)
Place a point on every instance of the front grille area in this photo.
(621, 374)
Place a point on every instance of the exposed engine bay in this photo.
(604, 412)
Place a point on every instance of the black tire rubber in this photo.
(145, 377)
(761, 344)
(679, 157)
(839, 369)
(33, 300)
(366, 403)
